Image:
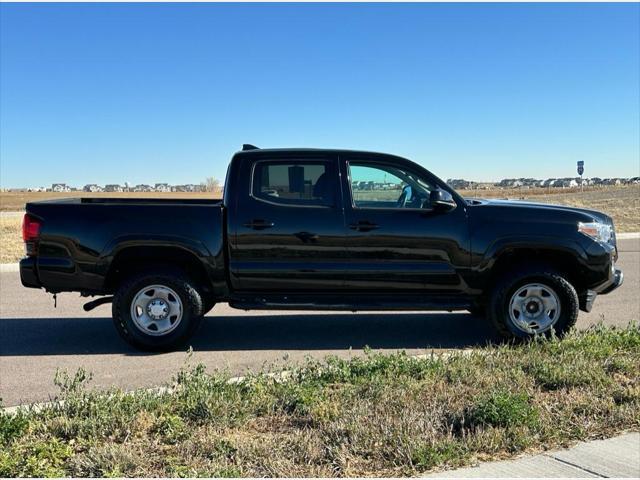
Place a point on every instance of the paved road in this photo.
(35, 339)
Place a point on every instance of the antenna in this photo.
(248, 146)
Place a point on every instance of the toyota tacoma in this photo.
(321, 230)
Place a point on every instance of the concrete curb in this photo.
(614, 457)
(281, 376)
(9, 267)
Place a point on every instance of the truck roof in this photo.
(247, 149)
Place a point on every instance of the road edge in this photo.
(628, 235)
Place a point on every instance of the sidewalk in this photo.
(615, 457)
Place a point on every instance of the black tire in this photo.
(191, 310)
(510, 283)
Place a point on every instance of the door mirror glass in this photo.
(441, 200)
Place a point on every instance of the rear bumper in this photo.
(28, 273)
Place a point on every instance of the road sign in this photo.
(580, 167)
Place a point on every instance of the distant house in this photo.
(142, 188)
(460, 184)
(596, 181)
(566, 183)
(162, 187)
(611, 181)
(92, 187)
(112, 187)
(189, 187)
(510, 183)
(60, 187)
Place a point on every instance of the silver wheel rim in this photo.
(534, 308)
(156, 310)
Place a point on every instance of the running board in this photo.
(361, 303)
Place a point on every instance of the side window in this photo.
(294, 183)
(386, 186)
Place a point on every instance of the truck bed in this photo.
(129, 201)
(82, 237)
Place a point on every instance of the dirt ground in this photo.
(15, 201)
(621, 203)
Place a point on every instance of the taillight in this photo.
(30, 228)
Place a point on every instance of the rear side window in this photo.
(294, 183)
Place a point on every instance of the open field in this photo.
(377, 415)
(11, 246)
(622, 203)
(15, 201)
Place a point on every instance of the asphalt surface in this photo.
(36, 339)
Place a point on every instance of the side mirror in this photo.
(441, 200)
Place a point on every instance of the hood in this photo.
(595, 214)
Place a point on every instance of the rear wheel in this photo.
(157, 310)
(530, 301)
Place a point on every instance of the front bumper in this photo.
(588, 298)
(618, 279)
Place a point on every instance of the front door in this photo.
(290, 229)
(396, 242)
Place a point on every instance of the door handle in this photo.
(258, 224)
(363, 226)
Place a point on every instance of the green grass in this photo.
(376, 415)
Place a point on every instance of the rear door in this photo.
(289, 225)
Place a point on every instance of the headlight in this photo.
(600, 232)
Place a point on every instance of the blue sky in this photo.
(108, 93)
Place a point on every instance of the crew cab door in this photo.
(396, 242)
(289, 225)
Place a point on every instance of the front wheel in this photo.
(530, 302)
(157, 311)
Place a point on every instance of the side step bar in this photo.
(293, 302)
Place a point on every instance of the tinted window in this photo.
(293, 183)
(386, 186)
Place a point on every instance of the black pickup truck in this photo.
(321, 229)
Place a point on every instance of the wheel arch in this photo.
(134, 259)
(561, 260)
